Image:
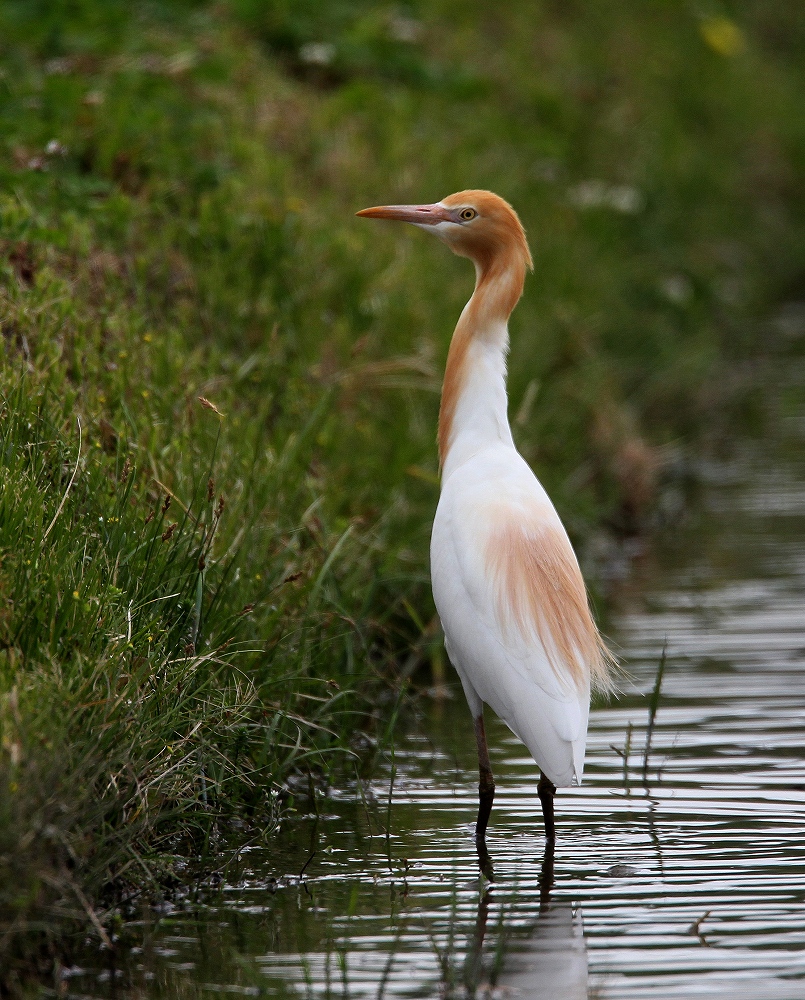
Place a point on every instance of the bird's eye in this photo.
(467, 214)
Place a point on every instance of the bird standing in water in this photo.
(506, 582)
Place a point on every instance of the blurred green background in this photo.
(191, 311)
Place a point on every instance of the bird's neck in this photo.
(473, 413)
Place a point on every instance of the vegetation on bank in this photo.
(218, 389)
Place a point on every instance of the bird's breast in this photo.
(499, 553)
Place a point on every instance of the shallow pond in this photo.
(678, 872)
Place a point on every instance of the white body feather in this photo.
(486, 484)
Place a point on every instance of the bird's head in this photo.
(474, 224)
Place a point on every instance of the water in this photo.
(679, 872)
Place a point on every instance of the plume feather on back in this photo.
(541, 593)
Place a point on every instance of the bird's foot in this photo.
(484, 860)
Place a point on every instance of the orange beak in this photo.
(420, 215)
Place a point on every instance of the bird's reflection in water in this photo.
(546, 959)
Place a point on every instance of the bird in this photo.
(506, 582)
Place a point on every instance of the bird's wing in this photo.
(514, 608)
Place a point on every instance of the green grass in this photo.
(178, 183)
(144, 709)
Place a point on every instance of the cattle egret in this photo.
(506, 582)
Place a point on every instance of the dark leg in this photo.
(486, 785)
(546, 790)
(484, 861)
